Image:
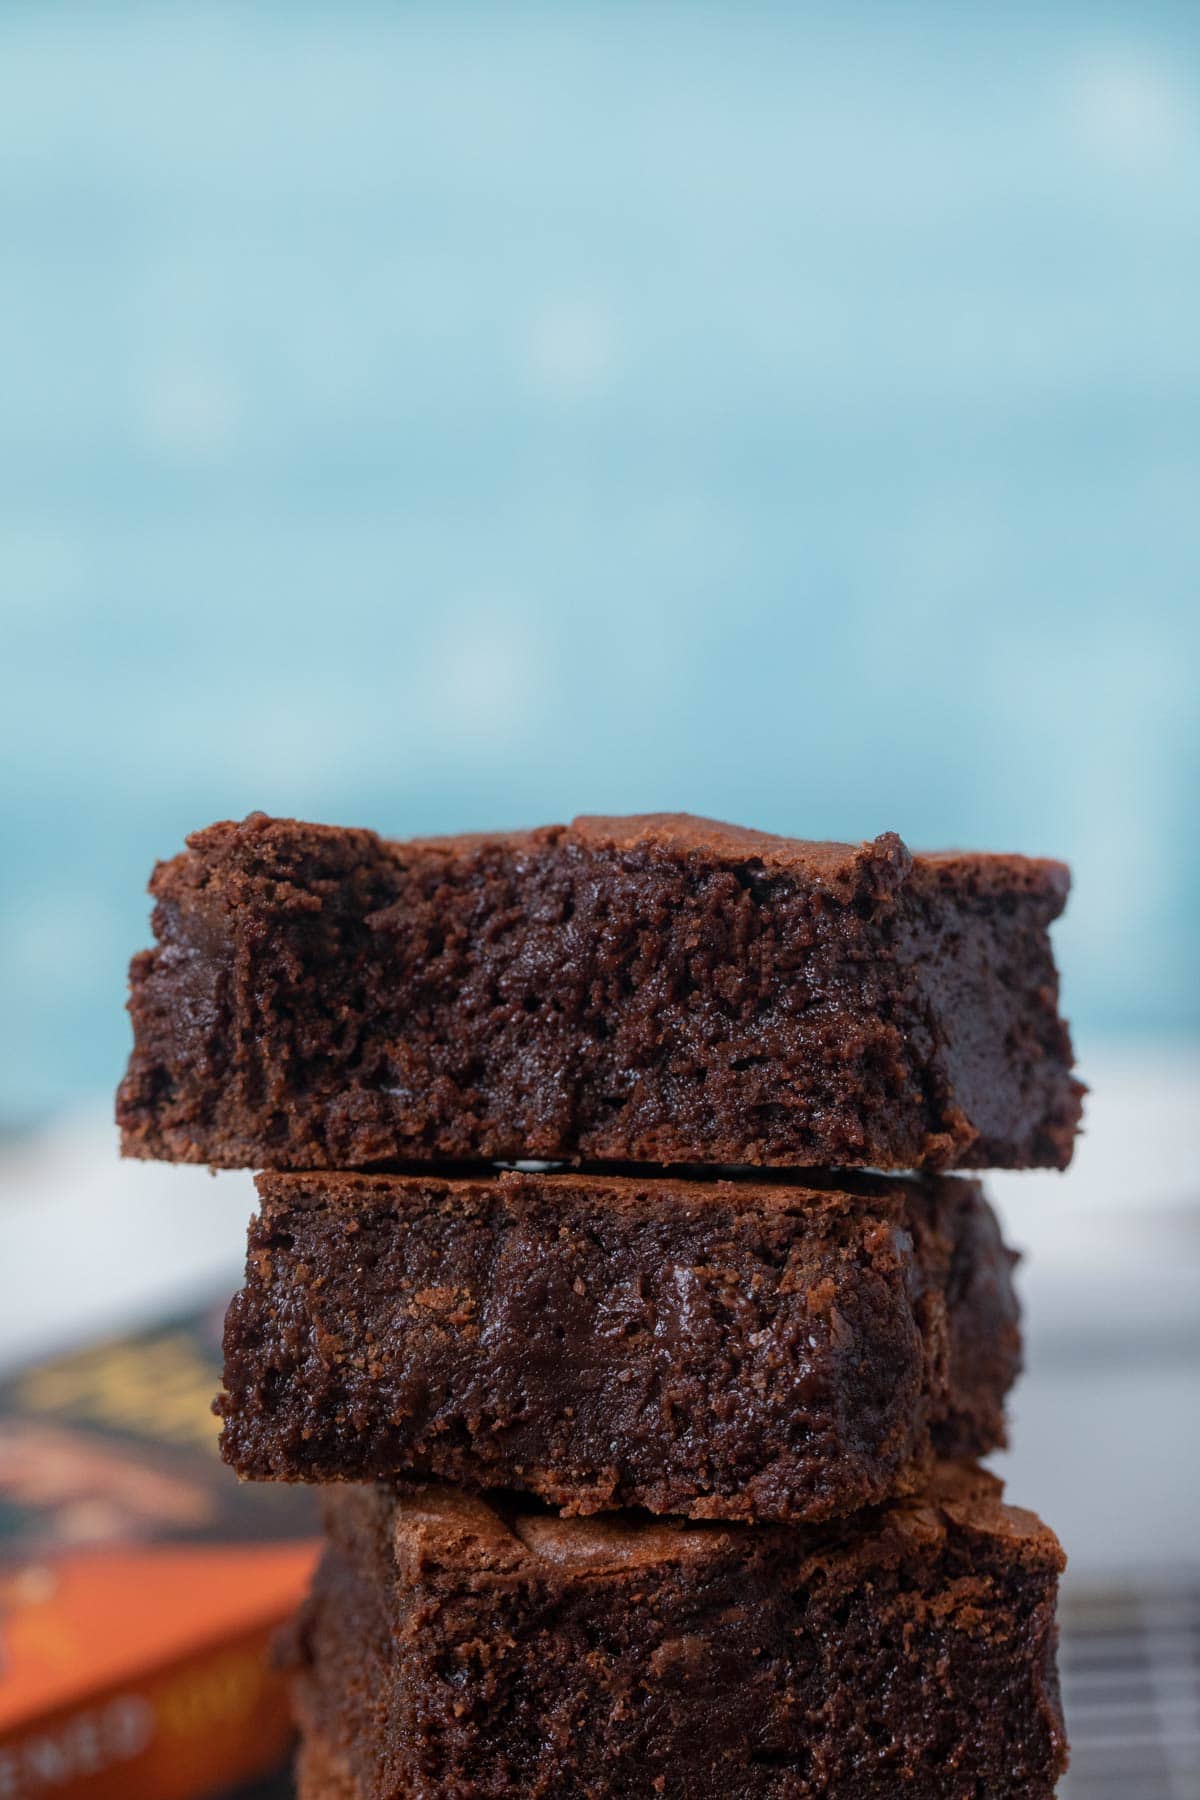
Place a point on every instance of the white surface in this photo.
(88, 1241)
(1114, 1243)
(1105, 1423)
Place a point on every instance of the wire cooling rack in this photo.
(1130, 1662)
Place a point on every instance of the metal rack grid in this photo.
(1130, 1662)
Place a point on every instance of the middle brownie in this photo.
(725, 1349)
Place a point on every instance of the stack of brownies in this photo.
(649, 1457)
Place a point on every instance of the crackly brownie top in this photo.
(434, 1527)
(879, 866)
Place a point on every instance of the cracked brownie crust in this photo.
(658, 989)
(722, 1349)
(453, 1648)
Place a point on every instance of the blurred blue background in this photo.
(447, 416)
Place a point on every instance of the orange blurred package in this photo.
(140, 1583)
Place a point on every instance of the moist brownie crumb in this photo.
(456, 1648)
(659, 989)
(739, 1349)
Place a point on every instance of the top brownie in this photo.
(654, 989)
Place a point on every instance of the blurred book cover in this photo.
(140, 1583)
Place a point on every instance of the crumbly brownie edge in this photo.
(271, 1021)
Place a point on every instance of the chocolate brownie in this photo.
(454, 1647)
(320, 1775)
(737, 1349)
(659, 989)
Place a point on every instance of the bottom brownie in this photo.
(456, 1647)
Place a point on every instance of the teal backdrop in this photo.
(435, 416)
